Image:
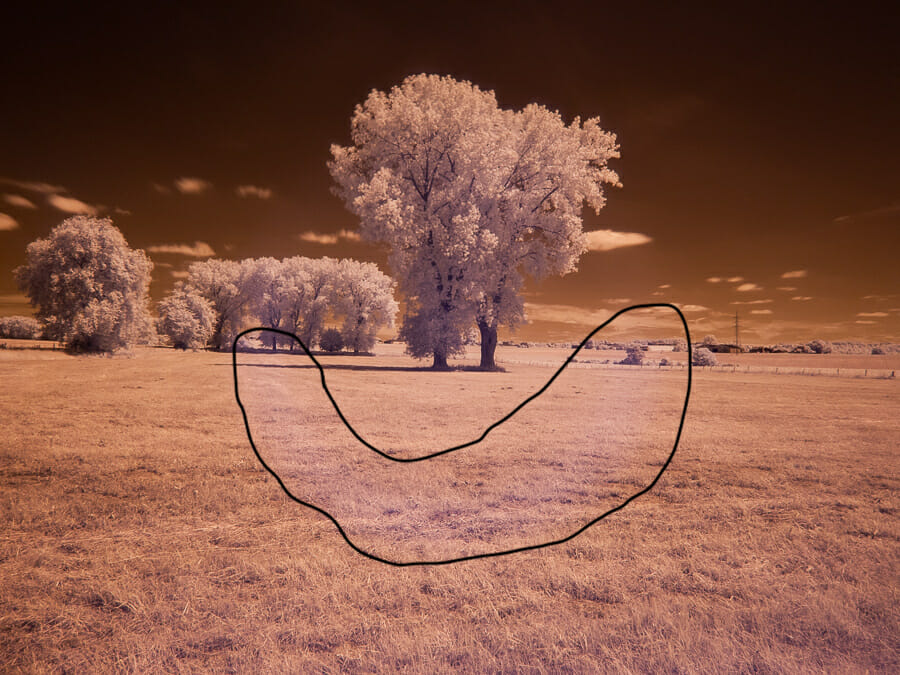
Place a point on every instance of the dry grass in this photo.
(141, 535)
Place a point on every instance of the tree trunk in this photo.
(440, 362)
(488, 345)
(274, 342)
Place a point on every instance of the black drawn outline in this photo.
(540, 391)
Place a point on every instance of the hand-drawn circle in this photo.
(496, 424)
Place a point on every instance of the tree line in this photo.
(91, 292)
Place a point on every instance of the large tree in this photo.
(364, 295)
(89, 287)
(470, 198)
(228, 286)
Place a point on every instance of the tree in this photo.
(186, 317)
(89, 287)
(704, 357)
(332, 340)
(228, 287)
(363, 294)
(271, 294)
(319, 276)
(470, 198)
(634, 355)
(710, 341)
(20, 327)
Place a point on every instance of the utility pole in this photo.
(737, 330)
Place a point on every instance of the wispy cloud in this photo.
(180, 274)
(802, 297)
(192, 186)
(752, 302)
(253, 191)
(200, 249)
(794, 274)
(787, 288)
(760, 311)
(865, 322)
(607, 240)
(13, 299)
(665, 286)
(328, 239)
(735, 280)
(20, 201)
(7, 222)
(71, 205)
(872, 314)
(694, 308)
(871, 213)
(33, 186)
(714, 280)
(743, 288)
(616, 301)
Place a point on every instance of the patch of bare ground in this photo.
(140, 534)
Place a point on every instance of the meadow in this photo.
(141, 533)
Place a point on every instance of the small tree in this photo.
(89, 287)
(20, 327)
(364, 296)
(710, 340)
(186, 317)
(634, 355)
(331, 340)
(704, 357)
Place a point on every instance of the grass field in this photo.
(141, 534)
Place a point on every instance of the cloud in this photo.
(871, 213)
(328, 239)
(161, 189)
(180, 274)
(316, 238)
(71, 205)
(795, 274)
(200, 249)
(607, 240)
(192, 186)
(872, 314)
(867, 323)
(665, 286)
(752, 302)
(787, 288)
(734, 280)
(802, 297)
(714, 280)
(7, 222)
(20, 201)
(743, 288)
(760, 311)
(616, 301)
(31, 186)
(14, 299)
(694, 308)
(122, 212)
(253, 191)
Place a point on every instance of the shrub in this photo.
(704, 357)
(820, 347)
(876, 350)
(331, 340)
(20, 328)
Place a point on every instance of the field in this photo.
(141, 533)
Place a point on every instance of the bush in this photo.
(20, 328)
(877, 350)
(704, 357)
(820, 347)
(331, 340)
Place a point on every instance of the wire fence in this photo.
(872, 373)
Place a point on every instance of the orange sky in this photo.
(759, 147)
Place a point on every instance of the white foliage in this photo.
(470, 198)
(89, 287)
(186, 317)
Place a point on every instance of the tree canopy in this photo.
(470, 198)
(89, 287)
